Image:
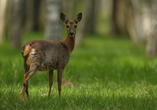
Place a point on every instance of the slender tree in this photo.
(130, 22)
(69, 7)
(114, 24)
(88, 24)
(29, 15)
(151, 48)
(53, 24)
(17, 21)
(118, 17)
(42, 14)
(3, 7)
(32, 15)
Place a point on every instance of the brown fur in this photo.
(40, 55)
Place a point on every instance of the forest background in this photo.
(113, 65)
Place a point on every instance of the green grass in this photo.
(105, 73)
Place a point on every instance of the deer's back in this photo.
(47, 55)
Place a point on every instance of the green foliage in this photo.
(105, 73)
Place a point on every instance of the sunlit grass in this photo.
(104, 73)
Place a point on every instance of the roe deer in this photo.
(39, 55)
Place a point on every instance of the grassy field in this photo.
(105, 73)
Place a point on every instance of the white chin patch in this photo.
(71, 35)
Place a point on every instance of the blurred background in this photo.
(108, 68)
(132, 19)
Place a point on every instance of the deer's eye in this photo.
(67, 26)
(75, 26)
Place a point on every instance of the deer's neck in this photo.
(69, 42)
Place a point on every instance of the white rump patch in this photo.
(33, 52)
(26, 50)
(27, 47)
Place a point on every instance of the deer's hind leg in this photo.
(33, 68)
(26, 68)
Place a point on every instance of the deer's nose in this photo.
(71, 34)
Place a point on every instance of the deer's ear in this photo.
(64, 18)
(78, 18)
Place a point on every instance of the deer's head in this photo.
(71, 25)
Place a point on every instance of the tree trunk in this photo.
(151, 47)
(32, 15)
(88, 23)
(17, 21)
(114, 25)
(69, 8)
(130, 22)
(118, 20)
(36, 15)
(146, 10)
(53, 26)
(29, 15)
(3, 7)
(93, 14)
(41, 22)
(138, 18)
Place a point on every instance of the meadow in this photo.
(109, 73)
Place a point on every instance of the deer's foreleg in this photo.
(59, 77)
(50, 81)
